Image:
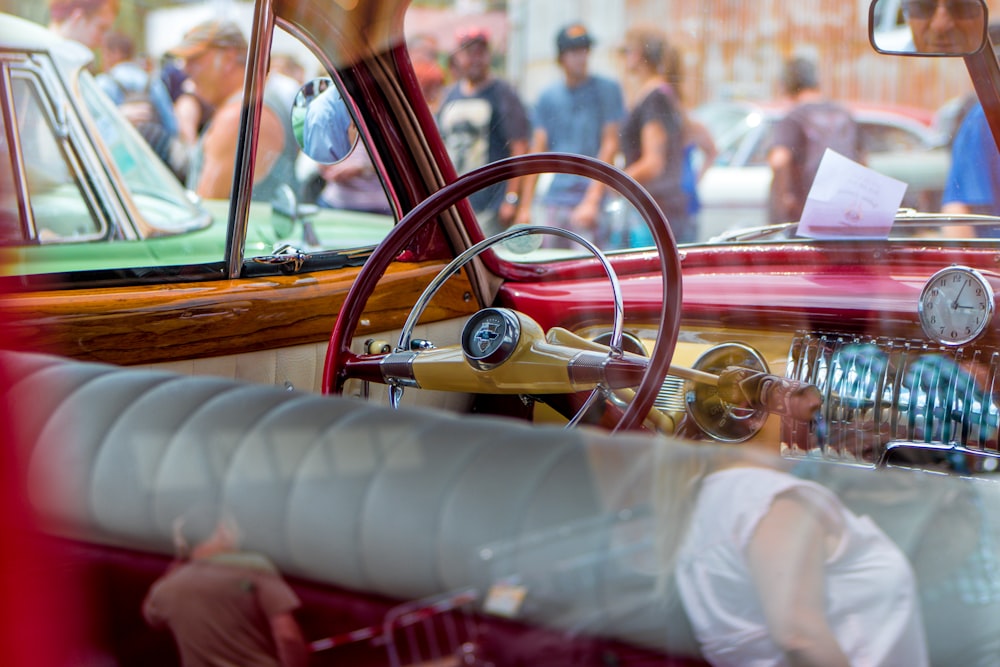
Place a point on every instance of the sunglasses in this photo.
(962, 10)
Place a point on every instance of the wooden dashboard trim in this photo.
(153, 324)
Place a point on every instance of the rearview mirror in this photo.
(928, 27)
(322, 123)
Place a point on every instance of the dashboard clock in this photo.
(956, 305)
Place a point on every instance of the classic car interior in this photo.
(510, 396)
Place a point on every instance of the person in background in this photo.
(191, 112)
(143, 99)
(214, 55)
(482, 120)
(86, 21)
(699, 146)
(431, 78)
(579, 114)
(285, 78)
(773, 569)
(652, 137)
(973, 184)
(352, 184)
(287, 65)
(814, 124)
(330, 140)
(223, 605)
(173, 77)
(426, 58)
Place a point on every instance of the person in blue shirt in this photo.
(973, 184)
(143, 99)
(328, 133)
(580, 114)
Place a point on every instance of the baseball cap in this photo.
(465, 37)
(574, 36)
(209, 35)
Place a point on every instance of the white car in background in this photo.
(901, 143)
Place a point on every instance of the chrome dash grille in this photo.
(882, 393)
(670, 398)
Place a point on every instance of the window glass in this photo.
(159, 197)
(765, 138)
(101, 198)
(300, 203)
(58, 204)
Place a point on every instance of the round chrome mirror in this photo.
(322, 123)
(928, 27)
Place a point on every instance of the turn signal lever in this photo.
(763, 391)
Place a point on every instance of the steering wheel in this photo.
(503, 351)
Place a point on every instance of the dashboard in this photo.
(905, 356)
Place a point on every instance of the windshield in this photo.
(727, 136)
(154, 190)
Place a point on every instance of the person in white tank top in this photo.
(773, 570)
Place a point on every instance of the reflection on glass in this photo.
(321, 122)
(159, 196)
(618, 226)
(937, 27)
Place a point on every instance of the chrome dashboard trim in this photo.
(881, 392)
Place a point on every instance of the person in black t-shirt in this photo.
(814, 124)
(482, 120)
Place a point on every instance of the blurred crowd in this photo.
(187, 105)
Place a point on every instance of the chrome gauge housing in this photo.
(713, 415)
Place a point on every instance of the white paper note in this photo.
(850, 201)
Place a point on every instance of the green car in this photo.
(83, 192)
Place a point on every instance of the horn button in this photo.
(490, 337)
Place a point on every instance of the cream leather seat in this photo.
(407, 503)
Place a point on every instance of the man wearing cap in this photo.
(214, 55)
(482, 120)
(579, 114)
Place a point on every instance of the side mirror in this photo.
(928, 27)
(322, 123)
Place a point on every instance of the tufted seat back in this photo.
(403, 503)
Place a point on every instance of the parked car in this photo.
(84, 192)
(393, 424)
(903, 144)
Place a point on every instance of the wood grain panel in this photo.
(138, 325)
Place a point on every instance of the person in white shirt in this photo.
(776, 570)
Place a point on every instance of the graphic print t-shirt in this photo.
(477, 129)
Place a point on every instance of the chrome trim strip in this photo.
(258, 59)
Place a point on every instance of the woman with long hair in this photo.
(652, 137)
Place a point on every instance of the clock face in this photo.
(956, 305)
